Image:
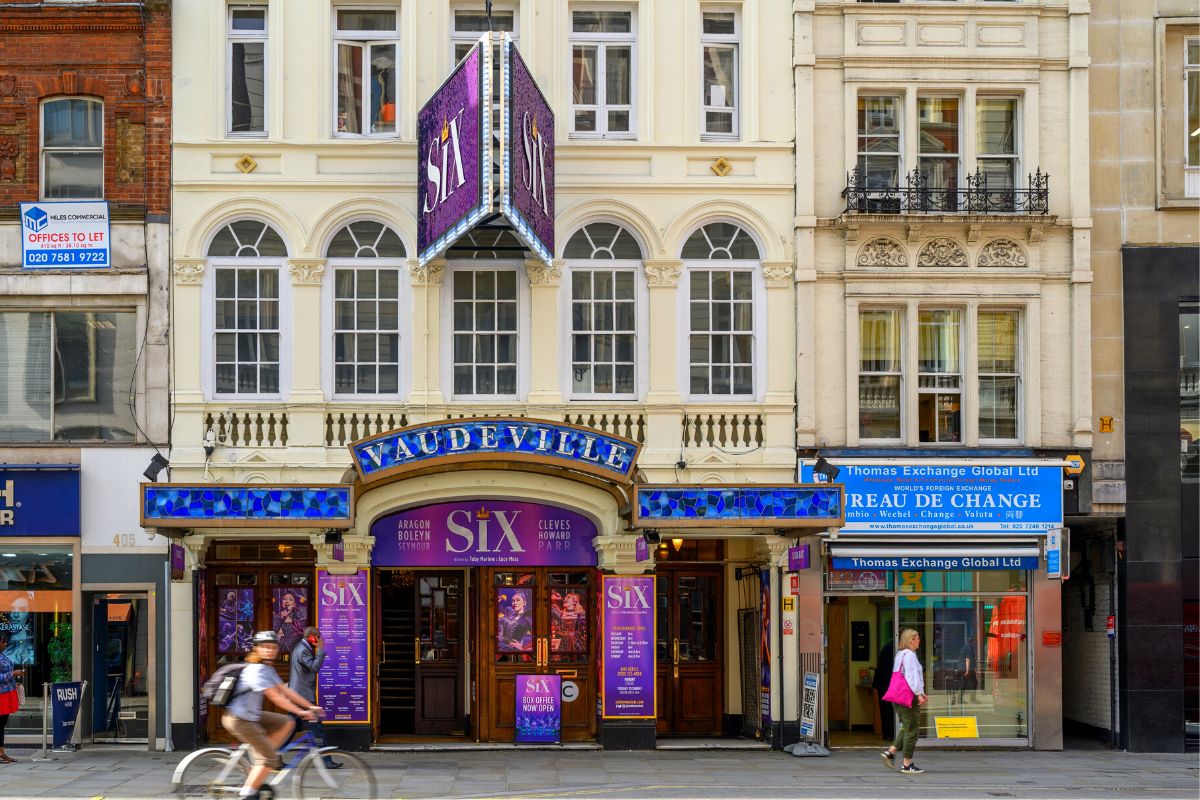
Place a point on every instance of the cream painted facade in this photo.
(661, 185)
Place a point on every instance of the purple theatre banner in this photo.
(342, 685)
(527, 169)
(481, 533)
(628, 658)
(539, 709)
(454, 169)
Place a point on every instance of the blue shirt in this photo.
(252, 682)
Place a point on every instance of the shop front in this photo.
(967, 553)
(39, 581)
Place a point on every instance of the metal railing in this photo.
(916, 196)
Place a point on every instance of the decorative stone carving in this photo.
(189, 270)
(306, 271)
(942, 252)
(778, 273)
(1003, 253)
(10, 148)
(135, 84)
(882, 252)
(541, 274)
(663, 273)
(356, 553)
(429, 275)
(8, 85)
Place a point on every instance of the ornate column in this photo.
(780, 373)
(426, 372)
(306, 423)
(785, 653)
(185, 341)
(616, 553)
(544, 373)
(666, 348)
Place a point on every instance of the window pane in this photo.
(349, 88)
(719, 66)
(584, 72)
(879, 124)
(997, 341)
(618, 121)
(73, 175)
(247, 86)
(938, 341)
(73, 123)
(94, 361)
(879, 341)
(383, 88)
(248, 19)
(720, 22)
(1193, 117)
(998, 408)
(618, 62)
(998, 173)
(366, 21)
(25, 372)
(938, 124)
(879, 407)
(477, 22)
(601, 21)
(996, 126)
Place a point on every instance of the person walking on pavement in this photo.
(307, 657)
(9, 699)
(883, 675)
(909, 665)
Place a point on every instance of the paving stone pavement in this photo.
(116, 774)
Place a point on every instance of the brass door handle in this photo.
(417, 650)
(383, 651)
(675, 653)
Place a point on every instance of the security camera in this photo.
(210, 443)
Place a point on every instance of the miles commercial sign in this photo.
(65, 236)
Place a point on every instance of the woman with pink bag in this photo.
(907, 693)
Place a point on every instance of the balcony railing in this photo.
(916, 196)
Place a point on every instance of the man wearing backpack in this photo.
(265, 732)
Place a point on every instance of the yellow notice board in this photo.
(956, 727)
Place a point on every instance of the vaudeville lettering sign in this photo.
(454, 185)
(495, 438)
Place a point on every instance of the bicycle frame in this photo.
(293, 754)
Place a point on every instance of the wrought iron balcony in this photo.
(918, 197)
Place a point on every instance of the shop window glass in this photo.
(36, 595)
(974, 650)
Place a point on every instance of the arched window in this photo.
(72, 149)
(604, 260)
(721, 306)
(246, 308)
(366, 308)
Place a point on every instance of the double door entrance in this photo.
(689, 651)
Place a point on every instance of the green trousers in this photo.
(910, 726)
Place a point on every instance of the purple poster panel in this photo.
(480, 533)
(342, 619)
(289, 615)
(201, 581)
(764, 635)
(528, 193)
(454, 155)
(235, 619)
(514, 620)
(539, 709)
(628, 658)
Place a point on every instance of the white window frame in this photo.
(957, 156)
(901, 135)
(601, 41)
(523, 329)
(208, 325)
(723, 41)
(1191, 172)
(1019, 375)
(329, 328)
(366, 40)
(902, 322)
(1017, 158)
(42, 149)
(965, 340)
(640, 351)
(232, 36)
(458, 37)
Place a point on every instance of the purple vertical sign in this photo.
(539, 709)
(342, 618)
(527, 169)
(797, 558)
(454, 169)
(628, 642)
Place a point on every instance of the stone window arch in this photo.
(366, 239)
(247, 238)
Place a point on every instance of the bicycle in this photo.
(221, 772)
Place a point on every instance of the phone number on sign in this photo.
(66, 257)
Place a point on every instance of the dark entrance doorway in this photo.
(420, 652)
(689, 650)
(120, 691)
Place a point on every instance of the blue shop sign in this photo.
(926, 562)
(39, 500)
(500, 439)
(950, 498)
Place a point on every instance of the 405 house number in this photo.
(128, 539)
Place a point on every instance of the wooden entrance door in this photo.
(689, 651)
(837, 680)
(537, 620)
(419, 646)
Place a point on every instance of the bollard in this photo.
(44, 753)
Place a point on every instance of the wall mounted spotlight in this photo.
(157, 465)
(826, 470)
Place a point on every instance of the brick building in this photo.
(85, 92)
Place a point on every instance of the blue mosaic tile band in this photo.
(750, 504)
(586, 449)
(245, 503)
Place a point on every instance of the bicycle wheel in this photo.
(353, 780)
(201, 776)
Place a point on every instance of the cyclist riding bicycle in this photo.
(263, 731)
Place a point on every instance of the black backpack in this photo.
(221, 688)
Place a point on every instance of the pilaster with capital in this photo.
(356, 553)
(188, 274)
(307, 275)
(617, 554)
(426, 281)
(662, 278)
(188, 271)
(544, 282)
